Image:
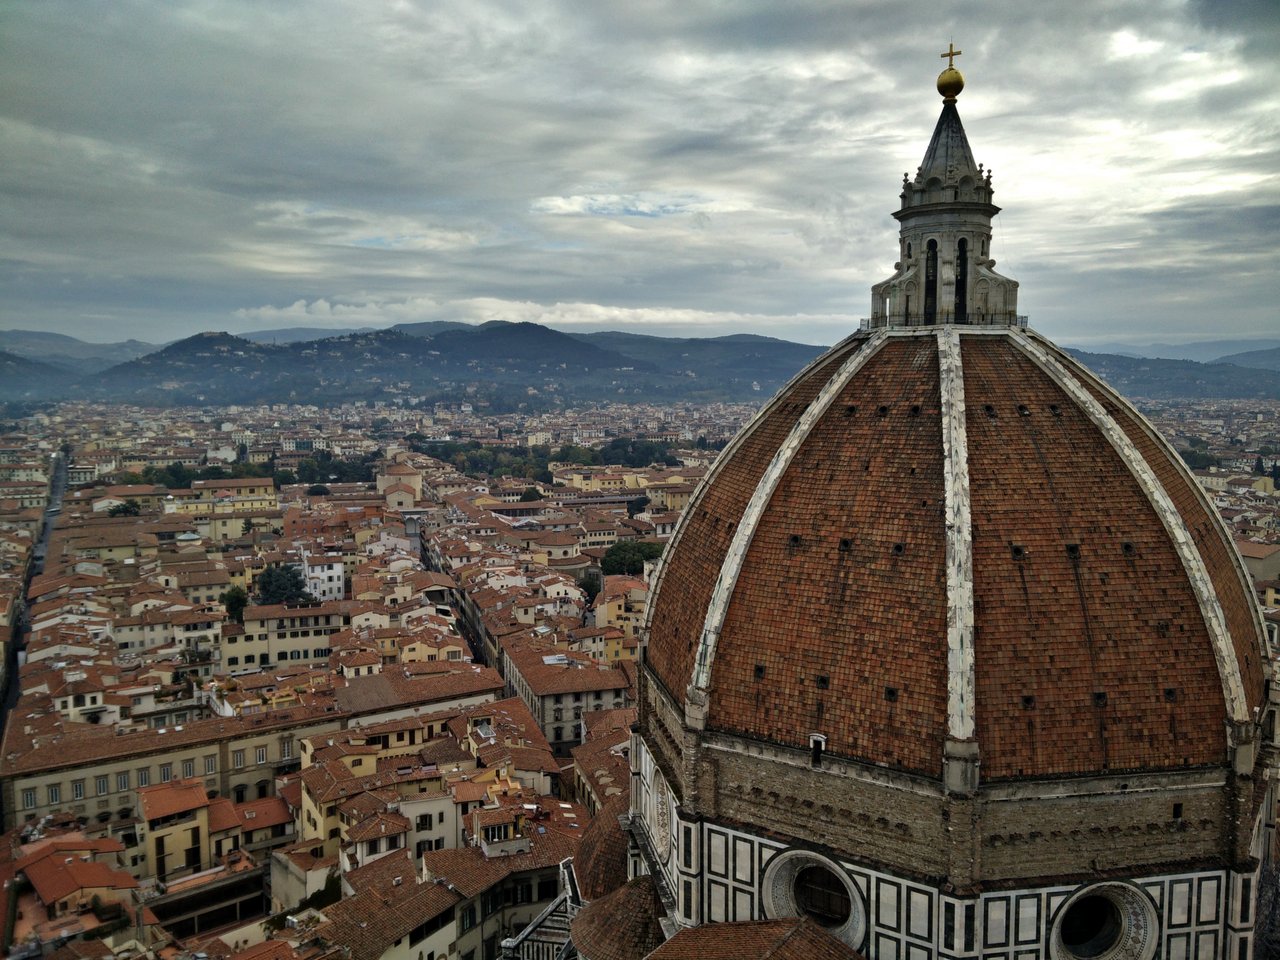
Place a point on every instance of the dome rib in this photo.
(727, 579)
(1224, 651)
(961, 679)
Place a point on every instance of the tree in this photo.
(235, 600)
(1198, 459)
(129, 508)
(317, 490)
(637, 506)
(629, 556)
(246, 528)
(590, 585)
(278, 584)
(1258, 466)
(530, 495)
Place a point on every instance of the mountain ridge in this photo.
(503, 365)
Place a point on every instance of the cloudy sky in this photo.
(685, 167)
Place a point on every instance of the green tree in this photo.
(590, 585)
(279, 584)
(530, 495)
(1258, 466)
(637, 506)
(1198, 459)
(235, 600)
(317, 490)
(129, 508)
(629, 556)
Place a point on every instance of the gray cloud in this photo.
(666, 166)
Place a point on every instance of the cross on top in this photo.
(951, 54)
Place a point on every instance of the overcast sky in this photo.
(686, 167)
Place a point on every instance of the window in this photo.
(122, 781)
(188, 769)
(144, 777)
(55, 793)
(100, 785)
(166, 772)
(233, 661)
(210, 764)
(260, 755)
(29, 798)
(286, 748)
(237, 758)
(77, 789)
(468, 919)
(250, 658)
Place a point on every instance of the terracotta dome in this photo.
(950, 653)
(952, 532)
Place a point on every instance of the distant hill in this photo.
(429, 328)
(1258, 359)
(296, 334)
(1202, 351)
(1182, 379)
(743, 357)
(522, 343)
(62, 351)
(25, 379)
(505, 366)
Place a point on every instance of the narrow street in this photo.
(23, 626)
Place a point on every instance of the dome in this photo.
(952, 533)
(949, 651)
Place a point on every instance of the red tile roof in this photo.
(176, 796)
(796, 938)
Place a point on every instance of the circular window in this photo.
(800, 883)
(1091, 926)
(820, 894)
(1106, 921)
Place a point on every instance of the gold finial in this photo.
(950, 80)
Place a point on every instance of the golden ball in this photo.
(950, 82)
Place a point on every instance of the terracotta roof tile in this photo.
(621, 925)
(1081, 635)
(797, 938)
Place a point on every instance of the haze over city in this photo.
(664, 168)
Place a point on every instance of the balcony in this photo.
(1019, 321)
